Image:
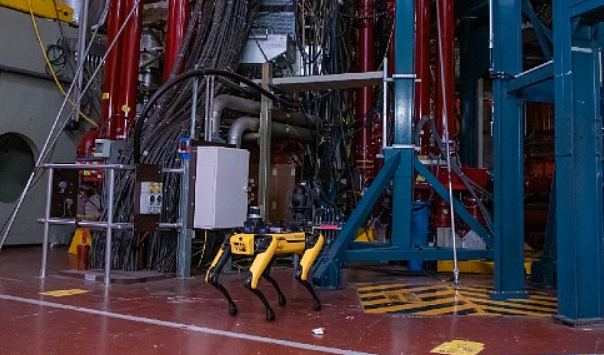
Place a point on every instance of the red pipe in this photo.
(422, 58)
(446, 10)
(112, 70)
(178, 18)
(422, 67)
(365, 160)
(130, 56)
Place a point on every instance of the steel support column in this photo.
(404, 110)
(577, 73)
(508, 152)
(474, 64)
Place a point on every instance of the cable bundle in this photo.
(216, 35)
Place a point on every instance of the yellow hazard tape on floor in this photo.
(441, 299)
(459, 347)
(63, 293)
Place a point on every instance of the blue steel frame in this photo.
(400, 166)
(578, 43)
(573, 81)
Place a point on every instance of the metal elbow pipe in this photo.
(252, 124)
(235, 103)
(240, 126)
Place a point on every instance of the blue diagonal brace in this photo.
(544, 34)
(460, 210)
(327, 271)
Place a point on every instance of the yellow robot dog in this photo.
(264, 247)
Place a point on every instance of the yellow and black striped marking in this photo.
(440, 300)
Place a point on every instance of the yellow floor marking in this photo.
(505, 311)
(479, 310)
(544, 303)
(446, 310)
(459, 347)
(409, 306)
(409, 289)
(533, 295)
(507, 304)
(406, 296)
(63, 293)
(378, 287)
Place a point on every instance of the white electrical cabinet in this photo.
(221, 185)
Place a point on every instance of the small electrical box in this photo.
(148, 197)
(221, 187)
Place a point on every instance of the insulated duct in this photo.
(251, 124)
(242, 105)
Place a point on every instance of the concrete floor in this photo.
(182, 317)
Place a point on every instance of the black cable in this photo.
(198, 73)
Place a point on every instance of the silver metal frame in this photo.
(108, 225)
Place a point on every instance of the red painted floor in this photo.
(132, 322)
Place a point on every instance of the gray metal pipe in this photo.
(239, 104)
(234, 103)
(251, 124)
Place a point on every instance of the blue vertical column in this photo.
(474, 64)
(404, 104)
(508, 153)
(578, 144)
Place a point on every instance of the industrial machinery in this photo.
(401, 141)
(263, 245)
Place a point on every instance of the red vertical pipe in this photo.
(422, 58)
(112, 70)
(178, 18)
(364, 100)
(422, 66)
(446, 11)
(130, 56)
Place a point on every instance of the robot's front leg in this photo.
(213, 274)
(269, 278)
(314, 244)
(258, 268)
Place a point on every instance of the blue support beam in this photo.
(578, 150)
(404, 110)
(544, 34)
(460, 210)
(508, 153)
(380, 254)
(474, 64)
(531, 77)
(327, 271)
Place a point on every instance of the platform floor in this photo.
(188, 317)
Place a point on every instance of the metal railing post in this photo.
(46, 223)
(109, 229)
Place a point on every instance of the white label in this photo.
(151, 198)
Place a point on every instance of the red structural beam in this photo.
(422, 58)
(112, 70)
(130, 56)
(446, 10)
(121, 69)
(365, 160)
(178, 18)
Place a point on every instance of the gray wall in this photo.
(28, 107)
